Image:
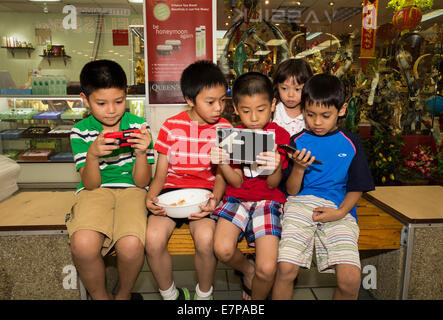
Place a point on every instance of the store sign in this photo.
(178, 32)
(368, 29)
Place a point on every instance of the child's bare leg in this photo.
(284, 281)
(160, 262)
(348, 282)
(225, 248)
(265, 266)
(202, 232)
(86, 248)
(130, 257)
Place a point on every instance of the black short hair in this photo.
(324, 89)
(291, 68)
(252, 83)
(199, 75)
(102, 74)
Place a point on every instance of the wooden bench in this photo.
(378, 230)
(39, 211)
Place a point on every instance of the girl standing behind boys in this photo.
(288, 81)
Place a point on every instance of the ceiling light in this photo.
(135, 1)
(331, 3)
(267, 2)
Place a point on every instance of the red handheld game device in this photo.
(122, 137)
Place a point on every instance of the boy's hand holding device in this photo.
(302, 157)
(139, 139)
(102, 146)
(219, 156)
(269, 160)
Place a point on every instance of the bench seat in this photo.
(378, 230)
(35, 210)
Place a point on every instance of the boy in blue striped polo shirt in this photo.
(109, 211)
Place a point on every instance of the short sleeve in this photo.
(79, 148)
(359, 174)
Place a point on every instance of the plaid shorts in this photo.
(335, 242)
(254, 218)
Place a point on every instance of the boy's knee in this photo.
(129, 247)
(266, 271)
(349, 282)
(287, 271)
(85, 244)
(204, 242)
(223, 251)
(155, 241)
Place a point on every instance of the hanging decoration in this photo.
(368, 29)
(407, 18)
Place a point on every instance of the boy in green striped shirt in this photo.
(109, 212)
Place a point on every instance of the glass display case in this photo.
(34, 131)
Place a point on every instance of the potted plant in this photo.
(384, 155)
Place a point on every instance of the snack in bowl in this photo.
(182, 202)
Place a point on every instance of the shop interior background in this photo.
(20, 19)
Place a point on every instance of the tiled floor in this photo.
(310, 285)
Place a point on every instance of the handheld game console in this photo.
(122, 137)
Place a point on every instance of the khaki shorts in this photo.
(115, 213)
(335, 242)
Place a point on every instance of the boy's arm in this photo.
(302, 159)
(214, 198)
(324, 214)
(294, 181)
(157, 184)
(142, 168)
(233, 177)
(90, 173)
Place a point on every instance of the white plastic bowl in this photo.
(193, 199)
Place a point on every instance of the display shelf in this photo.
(12, 50)
(64, 112)
(49, 58)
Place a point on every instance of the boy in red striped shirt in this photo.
(183, 145)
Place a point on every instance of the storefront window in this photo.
(388, 53)
(57, 38)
